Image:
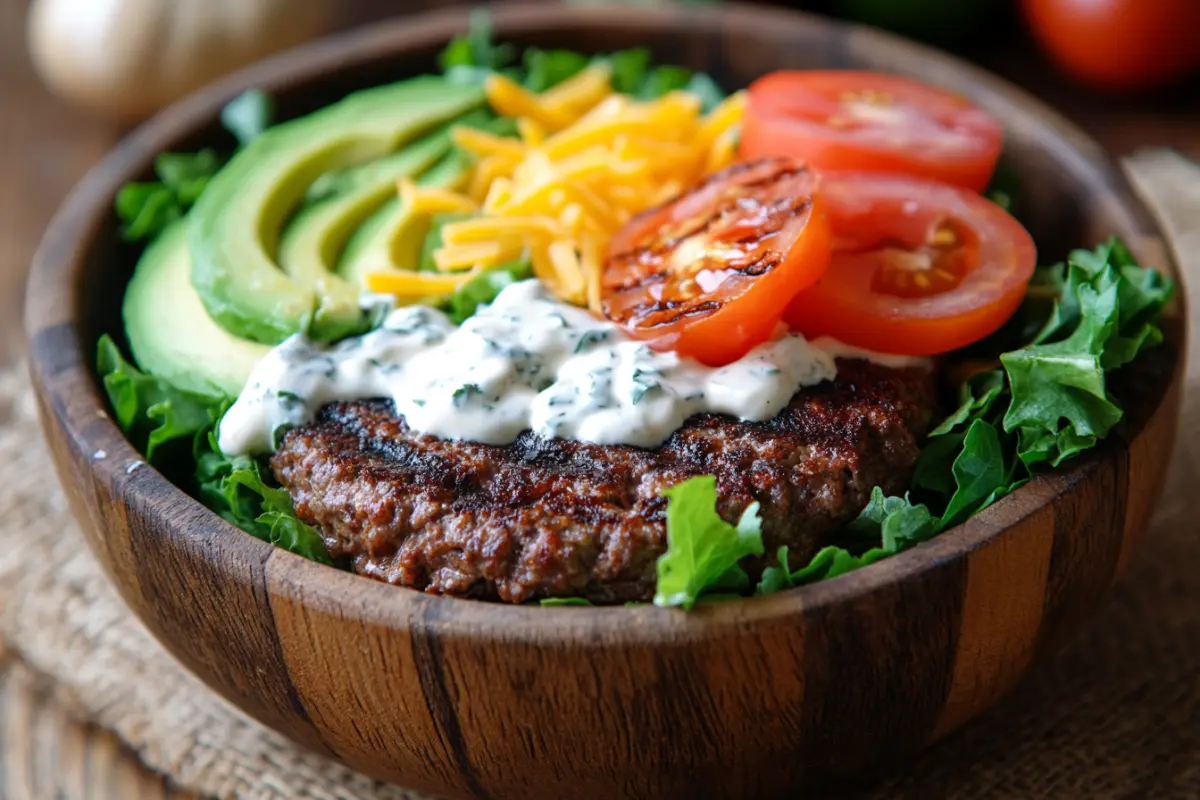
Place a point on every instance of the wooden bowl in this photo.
(464, 698)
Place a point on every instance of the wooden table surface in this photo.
(45, 147)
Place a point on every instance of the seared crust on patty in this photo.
(549, 517)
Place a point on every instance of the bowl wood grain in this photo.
(741, 699)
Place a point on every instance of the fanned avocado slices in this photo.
(234, 229)
(314, 238)
(391, 239)
(339, 203)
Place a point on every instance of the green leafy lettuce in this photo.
(547, 68)
(473, 56)
(175, 430)
(703, 550)
(243, 492)
(433, 239)
(1105, 313)
(893, 522)
(152, 413)
(550, 602)
(146, 208)
(1045, 404)
(482, 289)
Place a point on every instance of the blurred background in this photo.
(76, 74)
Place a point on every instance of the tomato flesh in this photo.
(918, 268)
(710, 273)
(1118, 45)
(865, 121)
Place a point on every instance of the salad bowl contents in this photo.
(773, 371)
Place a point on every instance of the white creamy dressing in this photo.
(526, 362)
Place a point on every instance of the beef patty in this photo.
(548, 517)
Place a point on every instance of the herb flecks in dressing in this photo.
(526, 362)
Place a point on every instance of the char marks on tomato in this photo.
(734, 222)
(708, 273)
(549, 517)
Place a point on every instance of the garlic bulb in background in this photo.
(128, 58)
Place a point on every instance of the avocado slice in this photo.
(392, 237)
(312, 241)
(365, 237)
(170, 332)
(386, 170)
(235, 226)
(344, 181)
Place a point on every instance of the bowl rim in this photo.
(53, 303)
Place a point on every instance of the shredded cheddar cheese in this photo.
(415, 284)
(428, 200)
(584, 162)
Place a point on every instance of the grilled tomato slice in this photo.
(918, 268)
(709, 273)
(848, 120)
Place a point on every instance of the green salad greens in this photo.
(482, 289)
(472, 57)
(1047, 402)
(175, 431)
(146, 208)
(703, 550)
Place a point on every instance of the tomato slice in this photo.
(846, 120)
(918, 268)
(709, 273)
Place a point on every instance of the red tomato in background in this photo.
(1118, 44)
(851, 120)
(918, 268)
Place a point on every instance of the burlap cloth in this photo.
(1115, 714)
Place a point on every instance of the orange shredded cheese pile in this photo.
(585, 162)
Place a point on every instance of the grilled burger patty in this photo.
(549, 517)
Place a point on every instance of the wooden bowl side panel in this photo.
(576, 714)
(756, 704)
(1151, 449)
(1003, 602)
(834, 689)
(754, 708)
(374, 690)
(1033, 580)
(168, 557)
